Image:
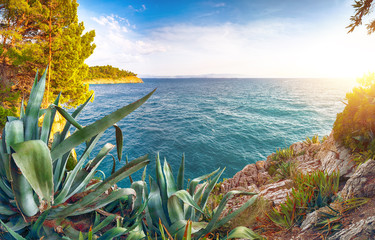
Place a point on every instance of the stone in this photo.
(364, 229)
(310, 220)
(276, 192)
(361, 183)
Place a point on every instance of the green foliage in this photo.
(169, 204)
(278, 158)
(285, 170)
(362, 8)
(107, 72)
(39, 33)
(313, 140)
(355, 127)
(312, 191)
(34, 183)
(239, 232)
(8, 104)
(331, 220)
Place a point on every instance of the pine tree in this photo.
(37, 33)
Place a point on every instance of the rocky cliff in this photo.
(329, 156)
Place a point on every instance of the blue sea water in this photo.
(217, 123)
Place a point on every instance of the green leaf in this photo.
(11, 232)
(243, 232)
(104, 223)
(155, 207)
(112, 233)
(175, 209)
(184, 196)
(169, 180)
(13, 134)
(180, 176)
(120, 174)
(32, 109)
(119, 141)
(193, 184)
(34, 160)
(67, 116)
(104, 200)
(213, 224)
(88, 132)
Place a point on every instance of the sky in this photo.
(229, 38)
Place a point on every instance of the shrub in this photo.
(8, 104)
(355, 127)
(311, 191)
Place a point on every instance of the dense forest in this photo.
(107, 72)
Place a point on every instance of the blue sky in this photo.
(238, 38)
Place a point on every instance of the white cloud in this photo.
(117, 44)
(141, 9)
(268, 48)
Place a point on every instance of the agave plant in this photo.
(34, 183)
(175, 208)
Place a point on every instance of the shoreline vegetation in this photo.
(128, 79)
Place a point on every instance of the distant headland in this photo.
(110, 75)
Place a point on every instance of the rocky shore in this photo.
(129, 79)
(329, 156)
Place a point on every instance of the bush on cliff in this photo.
(355, 126)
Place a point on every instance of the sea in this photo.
(216, 123)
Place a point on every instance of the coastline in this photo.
(129, 79)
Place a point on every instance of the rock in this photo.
(364, 229)
(335, 157)
(310, 220)
(362, 183)
(251, 174)
(277, 192)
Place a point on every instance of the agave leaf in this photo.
(22, 109)
(82, 179)
(119, 141)
(170, 183)
(34, 160)
(37, 226)
(11, 232)
(140, 188)
(193, 184)
(6, 210)
(61, 164)
(48, 120)
(213, 224)
(160, 179)
(184, 196)
(105, 200)
(120, 174)
(7, 190)
(175, 209)
(178, 228)
(155, 207)
(13, 134)
(243, 232)
(32, 109)
(47, 123)
(112, 233)
(103, 152)
(88, 132)
(104, 223)
(67, 116)
(208, 191)
(74, 115)
(230, 216)
(180, 176)
(17, 223)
